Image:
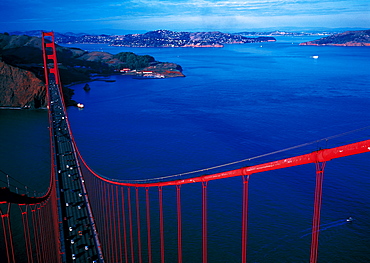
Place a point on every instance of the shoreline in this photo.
(184, 46)
(112, 74)
(91, 80)
(336, 45)
(21, 108)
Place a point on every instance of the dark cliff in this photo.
(21, 79)
(20, 88)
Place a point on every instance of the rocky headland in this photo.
(347, 39)
(20, 88)
(21, 69)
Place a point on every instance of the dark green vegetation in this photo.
(133, 61)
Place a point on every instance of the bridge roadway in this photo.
(78, 233)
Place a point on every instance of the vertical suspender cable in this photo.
(101, 220)
(204, 220)
(49, 230)
(98, 212)
(113, 220)
(105, 221)
(7, 234)
(96, 194)
(26, 231)
(44, 231)
(108, 231)
(130, 223)
(161, 225)
(119, 224)
(124, 225)
(148, 224)
(40, 232)
(179, 224)
(245, 218)
(56, 232)
(47, 225)
(56, 226)
(112, 229)
(10, 234)
(138, 224)
(109, 224)
(316, 214)
(35, 234)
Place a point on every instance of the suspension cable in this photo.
(241, 161)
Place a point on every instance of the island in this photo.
(22, 74)
(348, 38)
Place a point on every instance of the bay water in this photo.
(235, 103)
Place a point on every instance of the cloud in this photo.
(233, 23)
(182, 14)
(260, 6)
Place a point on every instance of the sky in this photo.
(130, 16)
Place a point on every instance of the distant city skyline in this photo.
(139, 16)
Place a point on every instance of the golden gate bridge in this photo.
(86, 217)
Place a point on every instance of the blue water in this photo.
(235, 103)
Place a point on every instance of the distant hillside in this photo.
(157, 38)
(166, 38)
(348, 38)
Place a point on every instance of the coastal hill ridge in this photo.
(158, 38)
(348, 38)
(167, 38)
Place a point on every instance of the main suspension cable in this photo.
(247, 159)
